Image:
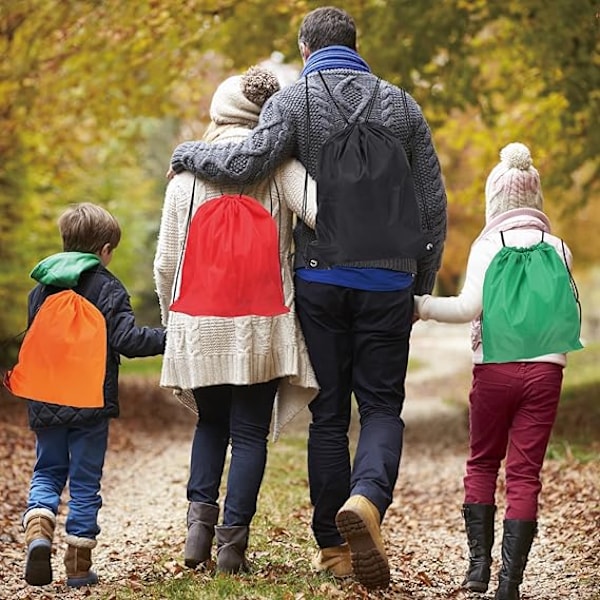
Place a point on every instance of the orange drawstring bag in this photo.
(62, 359)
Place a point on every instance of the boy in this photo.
(71, 442)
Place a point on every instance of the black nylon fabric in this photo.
(367, 207)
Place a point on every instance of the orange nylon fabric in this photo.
(231, 263)
(62, 359)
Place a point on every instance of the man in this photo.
(356, 318)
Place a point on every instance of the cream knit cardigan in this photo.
(204, 351)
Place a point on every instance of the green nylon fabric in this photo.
(63, 269)
(529, 307)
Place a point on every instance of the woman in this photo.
(235, 365)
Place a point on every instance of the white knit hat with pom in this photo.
(513, 183)
(239, 99)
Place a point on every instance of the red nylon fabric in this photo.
(231, 262)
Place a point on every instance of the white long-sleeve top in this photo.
(521, 227)
(203, 350)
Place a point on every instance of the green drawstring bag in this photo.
(530, 305)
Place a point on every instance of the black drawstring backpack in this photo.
(366, 204)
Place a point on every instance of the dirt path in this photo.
(146, 473)
(424, 527)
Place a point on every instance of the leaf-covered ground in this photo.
(144, 499)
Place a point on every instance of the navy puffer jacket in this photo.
(106, 292)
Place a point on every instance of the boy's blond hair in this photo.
(87, 227)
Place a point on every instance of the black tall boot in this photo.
(516, 544)
(201, 521)
(479, 525)
(231, 548)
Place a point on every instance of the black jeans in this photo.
(358, 341)
(241, 413)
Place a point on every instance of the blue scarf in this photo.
(334, 57)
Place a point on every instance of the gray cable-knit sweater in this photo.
(283, 131)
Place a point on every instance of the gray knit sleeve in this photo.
(431, 195)
(269, 144)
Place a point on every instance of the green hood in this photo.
(63, 269)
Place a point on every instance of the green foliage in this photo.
(148, 366)
(92, 95)
(241, 587)
(82, 88)
(578, 418)
(582, 368)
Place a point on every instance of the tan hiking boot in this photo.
(335, 560)
(358, 521)
(78, 562)
(39, 526)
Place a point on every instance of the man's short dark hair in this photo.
(327, 26)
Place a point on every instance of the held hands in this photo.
(416, 311)
(419, 303)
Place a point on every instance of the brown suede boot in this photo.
(39, 526)
(78, 560)
(358, 521)
(335, 560)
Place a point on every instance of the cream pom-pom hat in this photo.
(513, 183)
(239, 99)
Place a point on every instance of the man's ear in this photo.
(304, 51)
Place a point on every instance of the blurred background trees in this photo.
(94, 95)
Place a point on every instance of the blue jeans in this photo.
(75, 454)
(358, 343)
(242, 414)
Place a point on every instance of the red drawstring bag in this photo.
(62, 359)
(230, 265)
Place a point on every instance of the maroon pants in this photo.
(512, 411)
